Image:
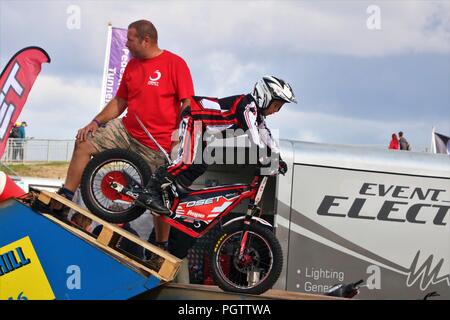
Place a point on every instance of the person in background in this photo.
(404, 144)
(22, 127)
(22, 135)
(18, 134)
(394, 142)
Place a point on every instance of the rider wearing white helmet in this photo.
(270, 88)
(245, 111)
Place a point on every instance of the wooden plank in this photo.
(115, 254)
(44, 198)
(105, 236)
(168, 270)
(109, 236)
(269, 294)
(171, 291)
(114, 228)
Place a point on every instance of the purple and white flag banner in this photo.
(116, 59)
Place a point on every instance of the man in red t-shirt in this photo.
(156, 86)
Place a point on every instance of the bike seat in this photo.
(182, 189)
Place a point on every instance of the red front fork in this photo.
(245, 230)
(243, 244)
(251, 210)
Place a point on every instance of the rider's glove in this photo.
(282, 167)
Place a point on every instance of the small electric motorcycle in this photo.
(245, 257)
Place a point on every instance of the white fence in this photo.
(37, 150)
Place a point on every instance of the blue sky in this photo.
(355, 85)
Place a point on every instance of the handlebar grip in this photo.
(358, 283)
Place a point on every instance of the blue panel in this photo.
(102, 277)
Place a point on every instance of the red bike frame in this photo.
(245, 191)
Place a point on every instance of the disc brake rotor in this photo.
(249, 259)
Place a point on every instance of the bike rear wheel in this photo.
(100, 198)
(260, 266)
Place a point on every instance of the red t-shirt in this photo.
(154, 89)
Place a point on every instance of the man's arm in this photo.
(267, 138)
(273, 148)
(247, 116)
(112, 110)
(184, 104)
(261, 136)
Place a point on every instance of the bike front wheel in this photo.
(253, 272)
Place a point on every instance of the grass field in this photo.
(50, 170)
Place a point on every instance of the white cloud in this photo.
(311, 26)
(56, 108)
(327, 128)
(228, 74)
(247, 27)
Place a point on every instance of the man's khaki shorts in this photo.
(114, 135)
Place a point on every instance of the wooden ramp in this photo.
(134, 278)
(174, 291)
(111, 235)
(109, 238)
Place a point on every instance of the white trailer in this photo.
(345, 213)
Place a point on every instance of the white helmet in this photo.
(271, 88)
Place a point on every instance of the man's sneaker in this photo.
(66, 193)
(152, 198)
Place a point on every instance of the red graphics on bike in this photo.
(199, 210)
(204, 210)
(110, 193)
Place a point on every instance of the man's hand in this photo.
(282, 167)
(83, 132)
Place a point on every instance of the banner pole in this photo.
(105, 67)
(433, 141)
